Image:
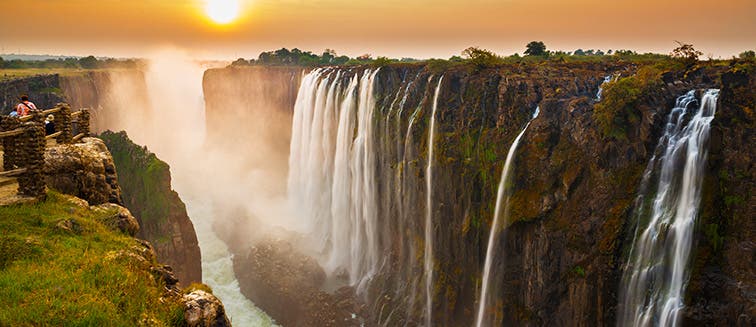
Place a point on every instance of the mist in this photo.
(232, 179)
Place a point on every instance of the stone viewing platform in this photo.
(23, 142)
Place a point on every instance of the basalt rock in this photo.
(162, 216)
(287, 285)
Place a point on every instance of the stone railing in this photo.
(24, 142)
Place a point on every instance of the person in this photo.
(25, 106)
(50, 125)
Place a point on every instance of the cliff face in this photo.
(146, 184)
(106, 93)
(722, 287)
(576, 175)
(43, 90)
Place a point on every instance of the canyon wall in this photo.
(147, 192)
(576, 177)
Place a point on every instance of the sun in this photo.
(222, 11)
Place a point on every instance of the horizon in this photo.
(420, 29)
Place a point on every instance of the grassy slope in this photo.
(49, 276)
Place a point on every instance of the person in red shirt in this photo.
(25, 106)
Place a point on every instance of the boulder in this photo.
(122, 219)
(203, 309)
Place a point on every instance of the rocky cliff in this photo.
(147, 192)
(578, 169)
(116, 97)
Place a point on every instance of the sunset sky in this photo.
(394, 28)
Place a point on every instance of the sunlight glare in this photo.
(222, 11)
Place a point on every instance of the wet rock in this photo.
(287, 285)
(203, 309)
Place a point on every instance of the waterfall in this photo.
(607, 79)
(332, 176)
(503, 193)
(428, 253)
(655, 276)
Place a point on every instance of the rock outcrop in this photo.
(287, 285)
(85, 170)
(147, 192)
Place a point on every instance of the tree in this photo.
(579, 52)
(750, 54)
(239, 62)
(88, 62)
(536, 48)
(686, 53)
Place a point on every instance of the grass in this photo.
(94, 277)
(8, 74)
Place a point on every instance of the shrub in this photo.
(481, 58)
(686, 53)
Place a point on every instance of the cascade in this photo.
(428, 253)
(666, 210)
(502, 194)
(607, 79)
(332, 173)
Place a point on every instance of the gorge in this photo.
(456, 195)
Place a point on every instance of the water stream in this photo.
(654, 280)
(502, 198)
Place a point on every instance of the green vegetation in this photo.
(144, 179)
(89, 62)
(579, 270)
(87, 275)
(618, 108)
(750, 54)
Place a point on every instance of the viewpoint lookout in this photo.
(23, 142)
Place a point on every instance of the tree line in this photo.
(535, 50)
(89, 62)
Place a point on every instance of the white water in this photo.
(217, 264)
(428, 255)
(656, 274)
(332, 182)
(502, 194)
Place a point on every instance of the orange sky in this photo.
(395, 28)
